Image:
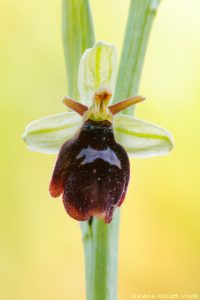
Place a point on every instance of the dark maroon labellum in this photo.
(92, 173)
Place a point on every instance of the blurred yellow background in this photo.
(41, 253)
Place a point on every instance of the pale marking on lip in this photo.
(90, 155)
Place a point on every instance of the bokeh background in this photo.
(41, 253)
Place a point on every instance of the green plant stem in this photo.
(78, 35)
(101, 240)
(101, 252)
(140, 19)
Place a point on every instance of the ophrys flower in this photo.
(92, 169)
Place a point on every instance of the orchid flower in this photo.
(93, 141)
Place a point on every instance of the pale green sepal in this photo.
(97, 69)
(140, 138)
(48, 134)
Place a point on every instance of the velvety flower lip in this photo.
(92, 168)
(91, 173)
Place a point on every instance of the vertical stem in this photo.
(101, 240)
(101, 253)
(140, 19)
(78, 35)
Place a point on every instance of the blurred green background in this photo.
(41, 253)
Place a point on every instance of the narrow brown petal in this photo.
(125, 104)
(76, 106)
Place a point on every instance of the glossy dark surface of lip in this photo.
(92, 173)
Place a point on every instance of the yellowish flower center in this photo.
(99, 110)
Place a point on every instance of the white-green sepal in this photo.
(140, 138)
(48, 134)
(97, 69)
